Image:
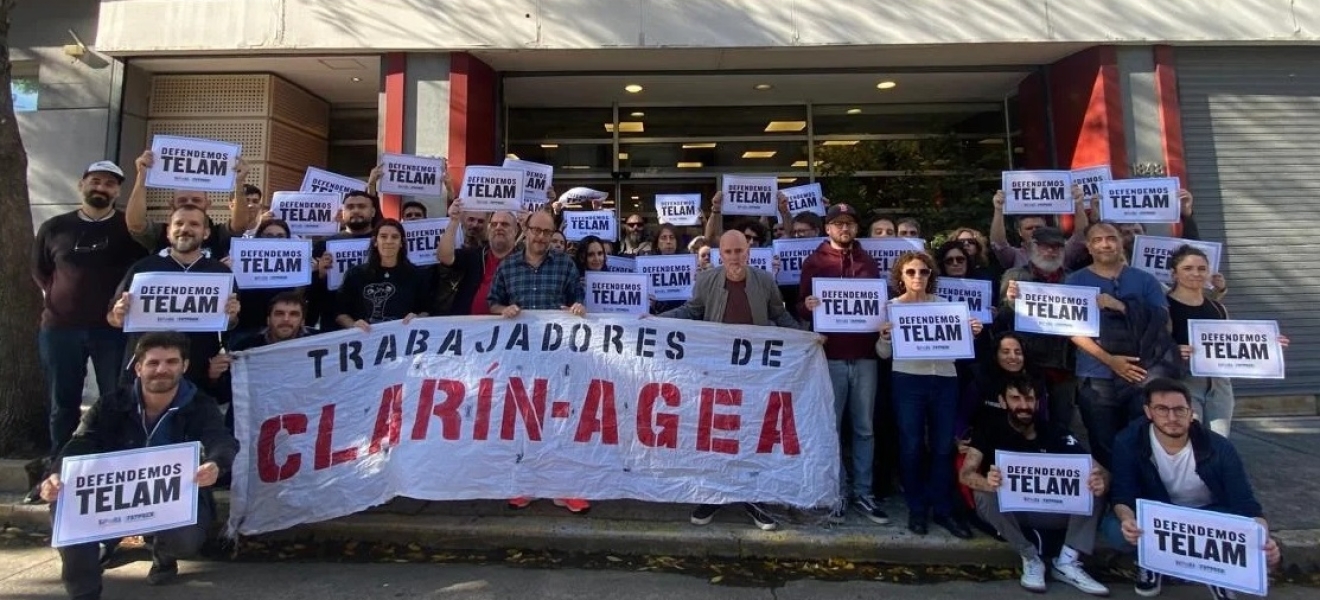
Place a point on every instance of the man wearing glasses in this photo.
(634, 237)
(77, 260)
(1011, 258)
(477, 264)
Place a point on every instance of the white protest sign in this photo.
(1213, 548)
(976, 293)
(264, 263)
(192, 164)
(492, 188)
(347, 253)
(1151, 254)
(308, 213)
(1044, 483)
(617, 293)
(130, 492)
(848, 305)
(408, 175)
(582, 223)
(886, 250)
(1037, 192)
(539, 178)
(792, 253)
(807, 198)
(757, 258)
(931, 331)
(1090, 179)
(678, 209)
(1140, 201)
(750, 195)
(423, 238)
(1051, 309)
(671, 276)
(602, 406)
(1239, 349)
(620, 264)
(583, 197)
(320, 180)
(190, 302)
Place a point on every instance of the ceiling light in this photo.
(637, 115)
(798, 164)
(623, 156)
(886, 85)
(840, 143)
(759, 154)
(786, 179)
(549, 146)
(689, 165)
(761, 87)
(356, 79)
(991, 142)
(626, 127)
(512, 155)
(699, 145)
(635, 197)
(576, 167)
(632, 88)
(779, 126)
(854, 111)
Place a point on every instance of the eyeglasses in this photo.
(917, 272)
(538, 231)
(955, 260)
(633, 225)
(753, 238)
(803, 233)
(1179, 412)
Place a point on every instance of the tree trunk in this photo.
(23, 431)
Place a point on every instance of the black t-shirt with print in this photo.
(383, 294)
(993, 434)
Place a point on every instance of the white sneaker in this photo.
(1033, 574)
(1072, 574)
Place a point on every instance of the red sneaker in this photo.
(520, 502)
(576, 506)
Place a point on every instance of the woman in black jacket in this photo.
(385, 288)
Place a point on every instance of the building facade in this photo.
(1225, 96)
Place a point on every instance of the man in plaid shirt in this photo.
(536, 278)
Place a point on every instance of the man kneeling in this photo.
(1016, 430)
(171, 408)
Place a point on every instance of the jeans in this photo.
(1081, 529)
(854, 384)
(64, 354)
(1062, 396)
(925, 408)
(1103, 414)
(1212, 399)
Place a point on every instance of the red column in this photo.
(472, 107)
(396, 79)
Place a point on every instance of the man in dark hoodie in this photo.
(160, 401)
(851, 356)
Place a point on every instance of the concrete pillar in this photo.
(1143, 129)
(426, 113)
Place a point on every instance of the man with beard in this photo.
(284, 321)
(161, 401)
(1015, 429)
(187, 232)
(358, 214)
(77, 259)
(851, 357)
(1012, 258)
(634, 237)
(1169, 457)
(154, 236)
(476, 265)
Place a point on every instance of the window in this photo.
(25, 93)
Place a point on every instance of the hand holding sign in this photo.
(207, 474)
(120, 310)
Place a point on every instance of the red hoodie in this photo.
(854, 263)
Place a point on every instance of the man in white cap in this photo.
(152, 234)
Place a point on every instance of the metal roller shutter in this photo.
(1251, 130)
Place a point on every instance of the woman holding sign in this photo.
(666, 243)
(925, 406)
(385, 288)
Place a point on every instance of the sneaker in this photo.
(1072, 574)
(868, 508)
(1033, 574)
(1218, 593)
(1149, 583)
(838, 514)
(162, 571)
(576, 506)
(763, 520)
(704, 514)
(520, 502)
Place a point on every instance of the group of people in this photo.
(922, 426)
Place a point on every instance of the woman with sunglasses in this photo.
(956, 260)
(925, 396)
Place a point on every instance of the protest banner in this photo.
(1051, 309)
(671, 276)
(1238, 349)
(792, 252)
(192, 164)
(617, 293)
(620, 264)
(347, 253)
(1152, 200)
(264, 263)
(1218, 549)
(1090, 179)
(320, 180)
(537, 187)
(178, 302)
(848, 305)
(931, 331)
(1151, 254)
(408, 175)
(757, 258)
(423, 238)
(1044, 483)
(807, 198)
(582, 223)
(492, 188)
(600, 407)
(750, 195)
(682, 210)
(583, 197)
(976, 293)
(1037, 192)
(130, 492)
(308, 213)
(886, 250)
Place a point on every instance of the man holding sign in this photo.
(159, 408)
(154, 236)
(1016, 429)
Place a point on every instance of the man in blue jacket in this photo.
(1168, 457)
(161, 407)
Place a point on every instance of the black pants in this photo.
(81, 569)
